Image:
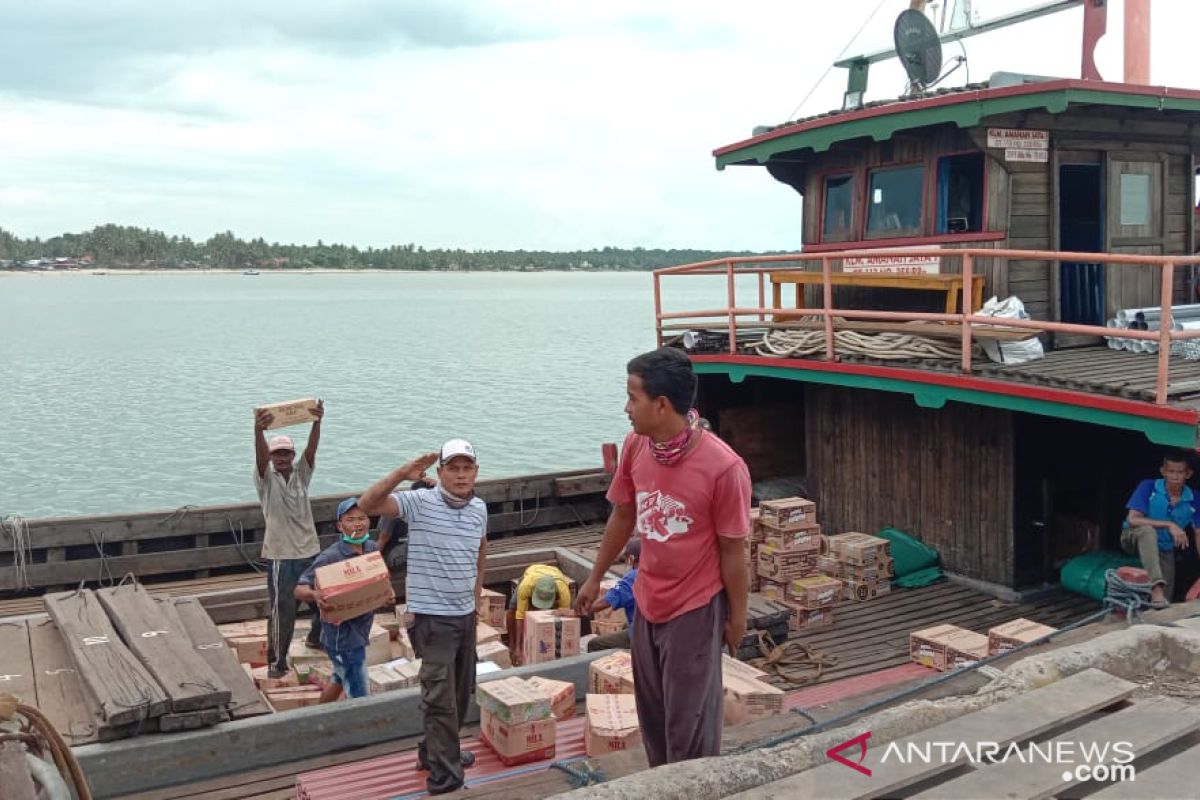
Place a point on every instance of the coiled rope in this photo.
(793, 661)
(1127, 596)
(790, 344)
(39, 736)
(17, 529)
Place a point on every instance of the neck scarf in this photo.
(359, 540)
(453, 500)
(669, 452)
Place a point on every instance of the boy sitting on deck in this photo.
(1161, 513)
(345, 643)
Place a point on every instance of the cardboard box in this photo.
(858, 548)
(293, 412)
(491, 610)
(943, 646)
(815, 591)
(608, 614)
(264, 681)
(605, 627)
(785, 565)
(379, 646)
(354, 587)
(512, 701)
(806, 539)
(496, 652)
(289, 697)
(802, 617)
(519, 743)
(611, 674)
(485, 633)
(612, 724)
(732, 666)
(831, 566)
(748, 699)
(561, 694)
(788, 512)
(303, 658)
(401, 647)
(249, 649)
(1003, 638)
(386, 678)
(550, 635)
(861, 591)
(772, 589)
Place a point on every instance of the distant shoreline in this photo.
(107, 271)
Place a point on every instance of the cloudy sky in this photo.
(452, 123)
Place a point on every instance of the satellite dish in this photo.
(918, 48)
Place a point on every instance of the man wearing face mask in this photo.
(345, 642)
(447, 545)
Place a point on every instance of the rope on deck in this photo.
(789, 344)
(793, 662)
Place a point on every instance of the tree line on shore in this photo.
(119, 246)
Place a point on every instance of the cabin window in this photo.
(894, 202)
(838, 208)
(960, 193)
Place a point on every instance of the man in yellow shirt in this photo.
(542, 586)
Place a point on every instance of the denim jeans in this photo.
(350, 670)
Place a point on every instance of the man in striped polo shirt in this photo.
(447, 544)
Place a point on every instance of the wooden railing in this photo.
(764, 265)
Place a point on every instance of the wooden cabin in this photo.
(1006, 470)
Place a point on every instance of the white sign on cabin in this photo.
(1018, 139)
(1041, 156)
(893, 265)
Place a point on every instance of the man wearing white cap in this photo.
(447, 545)
(290, 542)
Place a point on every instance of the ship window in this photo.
(895, 202)
(836, 221)
(960, 193)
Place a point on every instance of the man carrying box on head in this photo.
(620, 598)
(290, 538)
(447, 547)
(541, 586)
(687, 495)
(345, 642)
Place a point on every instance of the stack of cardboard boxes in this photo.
(611, 674)
(946, 647)
(550, 635)
(812, 600)
(789, 543)
(516, 720)
(862, 562)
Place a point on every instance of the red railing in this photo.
(764, 265)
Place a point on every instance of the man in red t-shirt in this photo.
(687, 496)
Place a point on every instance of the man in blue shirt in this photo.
(1160, 513)
(620, 597)
(345, 643)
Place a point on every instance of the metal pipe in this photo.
(827, 307)
(1164, 333)
(731, 290)
(967, 273)
(1137, 42)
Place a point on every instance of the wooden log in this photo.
(16, 662)
(61, 695)
(245, 699)
(112, 673)
(163, 647)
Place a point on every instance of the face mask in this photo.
(359, 540)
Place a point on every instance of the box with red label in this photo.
(612, 724)
(804, 539)
(519, 743)
(814, 591)
(788, 512)
(561, 693)
(550, 635)
(611, 674)
(353, 587)
(858, 548)
(1003, 638)
(785, 565)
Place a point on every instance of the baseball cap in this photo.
(346, 505)
(457, 447)
(545, 592)
(280, 443)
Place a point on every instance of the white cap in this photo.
(280, 443)
(457, 447)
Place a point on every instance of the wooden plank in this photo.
(1171, 779)
(16, 663)
(1016, 719)
(61, 696)
(124, 689)
(1145, 726)
(245, 699)
(582, 484)
(191, 720)
(163, 648)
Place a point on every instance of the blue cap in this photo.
(346, 505)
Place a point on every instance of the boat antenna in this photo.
(829, 69)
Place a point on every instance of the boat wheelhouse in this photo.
(860, 365)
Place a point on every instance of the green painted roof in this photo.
(966, 108)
